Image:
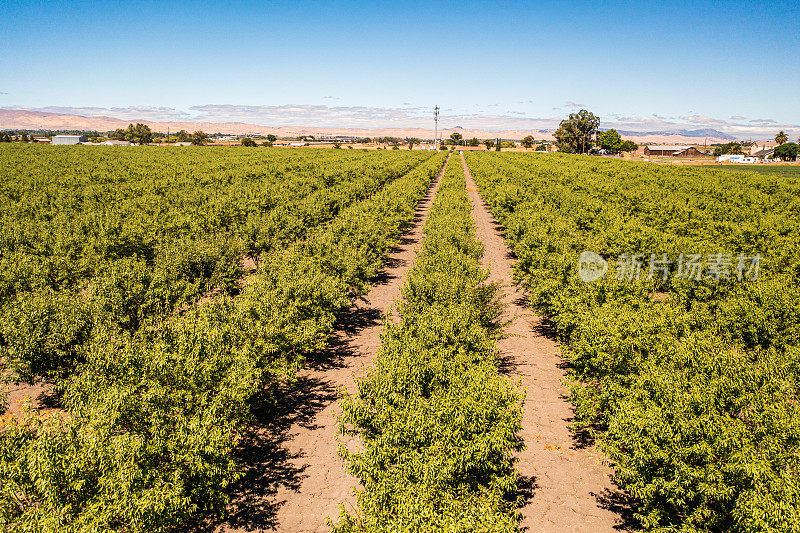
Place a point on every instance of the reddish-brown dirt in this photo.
(567, 485)
(295, 478)
(39, 397)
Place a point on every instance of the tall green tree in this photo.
(489, 144)
(787, 151)
(138, 134)
(144, 133)
(456, 137)
(271, 138)
(574, 135)
(610, 140)
(199, 138)
(781, 138)
(528, 141)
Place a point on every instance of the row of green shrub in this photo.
(153, 416)
(437, 422)
(122, 237)
(691, 386)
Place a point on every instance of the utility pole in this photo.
(436, 126)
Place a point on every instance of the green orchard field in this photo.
(165, 293)
(690, 383)
(438, 422)
(787, 171)
(122, 284)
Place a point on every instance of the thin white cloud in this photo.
(305, 114)
(125, 113)
(702, 126)
(737, 117)
(573, 104)
(705, 121)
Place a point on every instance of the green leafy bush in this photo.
(153, 413)
(438, 423)
(690, 386)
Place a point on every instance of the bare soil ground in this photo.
(295, 478)
(40, 397)
(566, 483)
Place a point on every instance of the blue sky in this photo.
(496, 65)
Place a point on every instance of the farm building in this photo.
(766, 154)
(757, 147)
(673, 151)
(69, 139)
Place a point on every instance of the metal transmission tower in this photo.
(436, 127)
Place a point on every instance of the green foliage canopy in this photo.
(575, 134)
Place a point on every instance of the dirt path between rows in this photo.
(566, 484)
(295, 479)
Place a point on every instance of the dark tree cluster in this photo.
(732, 148)
(787, 151)
(138, 134)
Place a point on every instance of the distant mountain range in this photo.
(40, 120)
(709, 133)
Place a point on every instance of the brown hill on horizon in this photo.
(41, 120)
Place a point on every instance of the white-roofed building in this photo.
(762, 146)
(69, 139)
